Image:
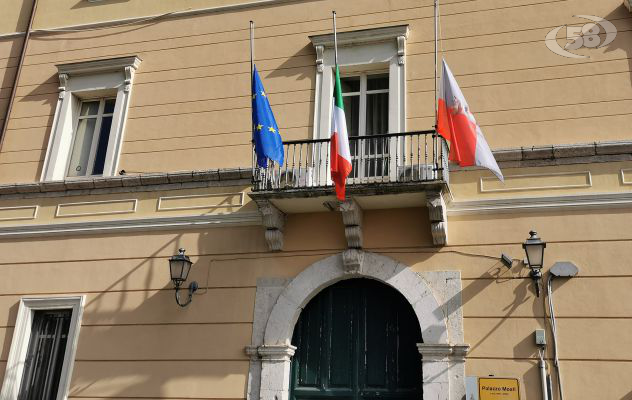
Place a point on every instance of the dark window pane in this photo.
(109, 106)
(45, 355)
(351, 84)
(102, 147)
(376, 82)
(376, 114)
(352, 114)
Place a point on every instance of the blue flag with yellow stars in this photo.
(265, 134)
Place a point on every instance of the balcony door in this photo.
(356, 340)
(366, 105)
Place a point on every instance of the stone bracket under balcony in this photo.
(275, 205)
(394, 170)
(273, 221)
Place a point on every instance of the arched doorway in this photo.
(356, 340)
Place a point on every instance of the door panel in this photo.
(356, 340)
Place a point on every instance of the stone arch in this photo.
(330, 270)
(277, 308)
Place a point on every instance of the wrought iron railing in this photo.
(390, 158)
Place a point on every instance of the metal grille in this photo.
(45, 356)
(390, 158)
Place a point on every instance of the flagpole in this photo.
(436, 67)
(252, 56)
(436, 52)
(335, 41)
(252, 47)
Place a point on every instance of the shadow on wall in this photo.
(295, 68)
(158, 348)
(136, 341)
(93, 3)
(622, 19)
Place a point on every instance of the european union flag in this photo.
(265, 133)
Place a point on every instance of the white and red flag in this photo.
(340, 154)
(457, 125)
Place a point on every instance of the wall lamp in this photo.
(534, 248)
(179, 266)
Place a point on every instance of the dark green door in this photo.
(357, 340)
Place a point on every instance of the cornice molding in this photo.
(128, 183)
(11, 35)
(561, 154)
(137, 224)
(362, 36)
(522, 204)
(169, 15)
(98, 66)
(580, 153)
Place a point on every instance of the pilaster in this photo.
(275, 369)
(443, 367)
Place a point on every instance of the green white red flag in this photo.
(340, 154)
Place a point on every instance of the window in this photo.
(373, 60)
(45, 355)
(43, 349)
(89, 121)
(372, 65)
(366, 109)
(91, 137)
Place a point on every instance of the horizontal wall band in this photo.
(234, 7)
(175, 14)
(151, 360)
(99, 292)
(578, 202)
(154, 398)
(549, 359)
(142, 224)
(317, 31)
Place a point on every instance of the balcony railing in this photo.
(377, 159)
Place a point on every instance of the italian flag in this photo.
(340, 154)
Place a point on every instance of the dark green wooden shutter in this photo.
(357, 340)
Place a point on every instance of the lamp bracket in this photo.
(193, 287)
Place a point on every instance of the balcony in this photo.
(390, 163)
(397, 170)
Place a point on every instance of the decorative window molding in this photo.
(361, 51)
(21, 336)
(82, 81)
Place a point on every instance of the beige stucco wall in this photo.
(133, 333)
(190, 110)
(190, 107)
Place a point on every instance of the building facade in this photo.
(127, 136)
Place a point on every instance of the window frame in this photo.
(78, 82)
(21, 337)
(363, 51)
